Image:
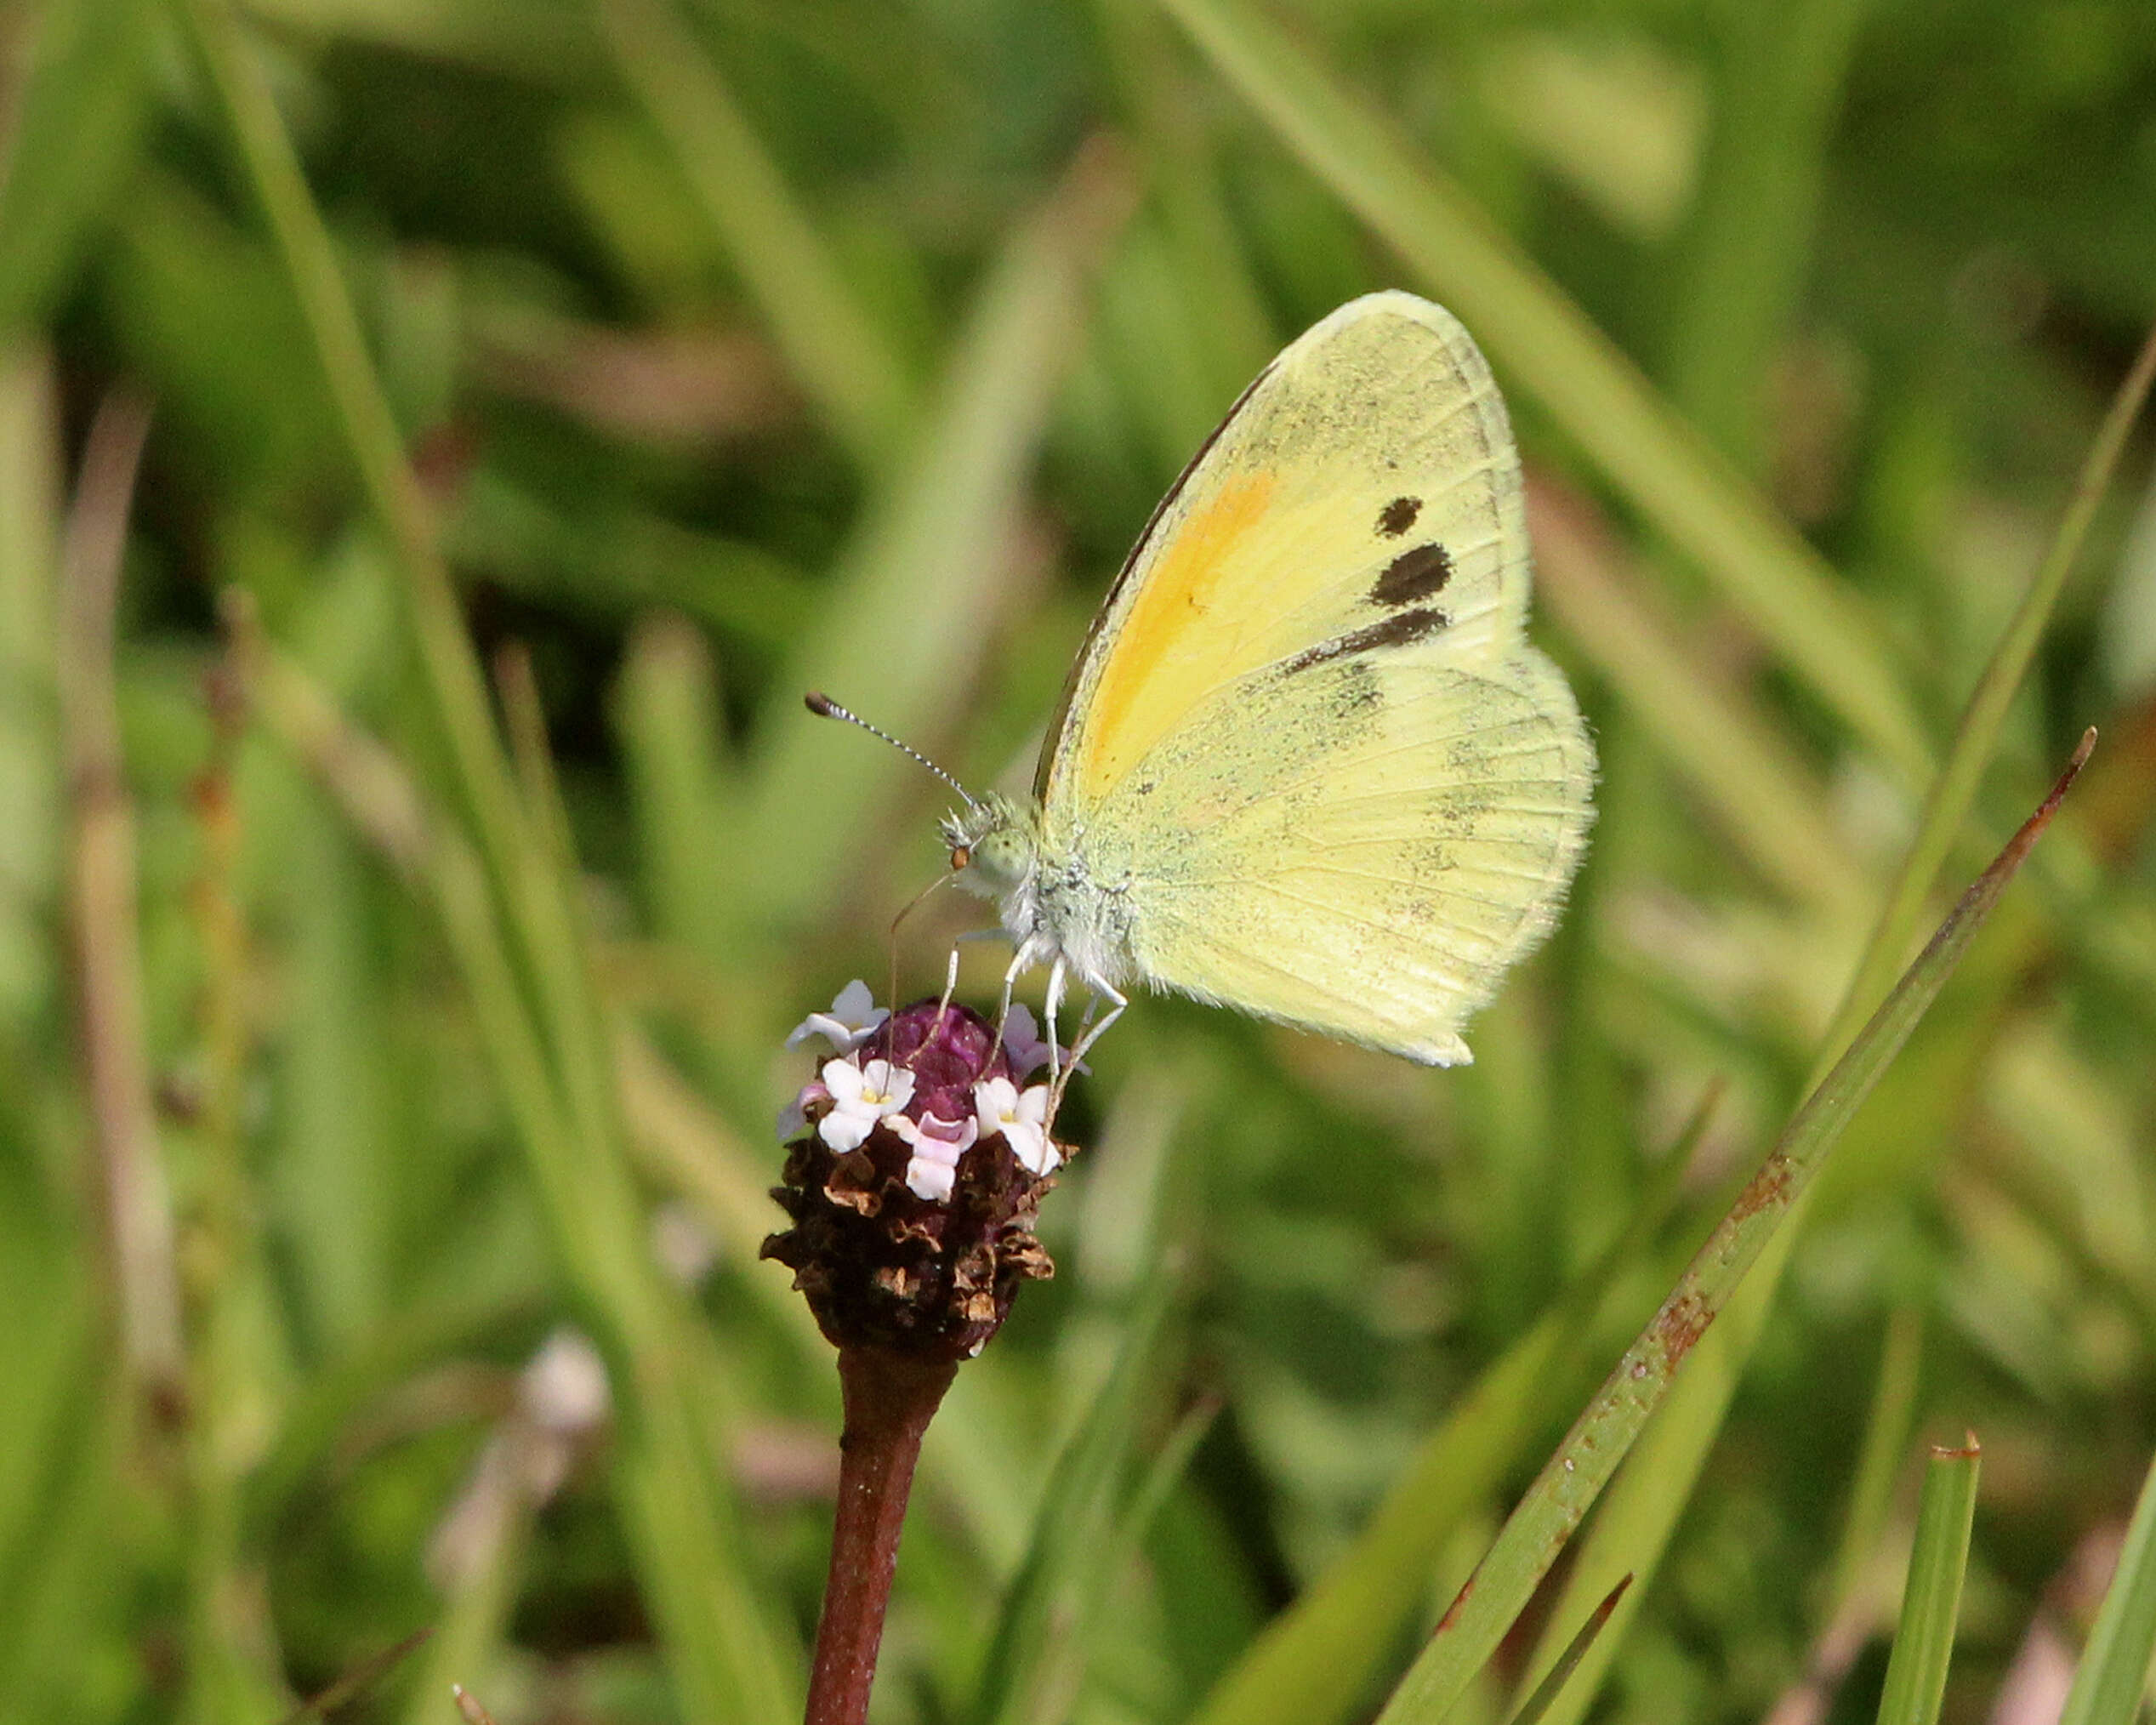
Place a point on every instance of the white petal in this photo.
(896, 1087)
(994, 1099)
(844, 1080)
(1028, 1143)
(843, 1130)
(929, 1179)
(818, 1024)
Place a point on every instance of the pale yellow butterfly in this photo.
(1307, 765)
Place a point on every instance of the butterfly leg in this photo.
(1030, 952)
(1055, 975)
(1088, 1035)
(951, 970)
(950, 984)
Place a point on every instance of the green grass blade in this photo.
(1641, 1381)
(1749, 253)
(1233, 334)
(78, 115)
(29, 838)
(509, 908)
(2114, 1673)
(1709, 730)
(1040, 1639)
(841, 359)
(1316, 1660)
(724, 1651)
(1947, 807)
(1916, 1674)
(1871, 1492)
(1547, 1691)
(1635, 1527)
(1540, 340)
(909, 620)
(458, 692)
(1313, 1663)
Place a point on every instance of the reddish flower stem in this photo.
(889, 1399)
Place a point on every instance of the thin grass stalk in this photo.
(357, 1681)
(936, 544)
(845, 364)
(679, 1511)
(1035, 1659)
(371, 434)
(1851, 1610)
(1547, 1691)
(1871, 1492)
(1946, 809)
(234, 1668)
(103, 917)
(1779, 78)
(1710, 732)
(550, 1046)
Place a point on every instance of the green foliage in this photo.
(413, 850)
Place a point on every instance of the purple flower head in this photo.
(948, 1049)
(914, 1181)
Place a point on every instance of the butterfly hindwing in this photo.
(1363, 849)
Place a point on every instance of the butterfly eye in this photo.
(961, 856)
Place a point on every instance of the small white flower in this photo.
(854, 1017)
(860, 1097)
(1000, 1106)
(937, 1145)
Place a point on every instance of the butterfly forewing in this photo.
(1307, 756)
(1363, 496)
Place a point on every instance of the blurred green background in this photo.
(413, 850)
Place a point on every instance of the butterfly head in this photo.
(995, 846)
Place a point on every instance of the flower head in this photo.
(913, 1203)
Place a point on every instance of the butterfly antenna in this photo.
(825, 708)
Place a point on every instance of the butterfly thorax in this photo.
(1044, 897)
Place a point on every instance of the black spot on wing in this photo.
(1398, 515)
(1414, 575)
(1396, 630)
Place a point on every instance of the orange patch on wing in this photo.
(1167, 629)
